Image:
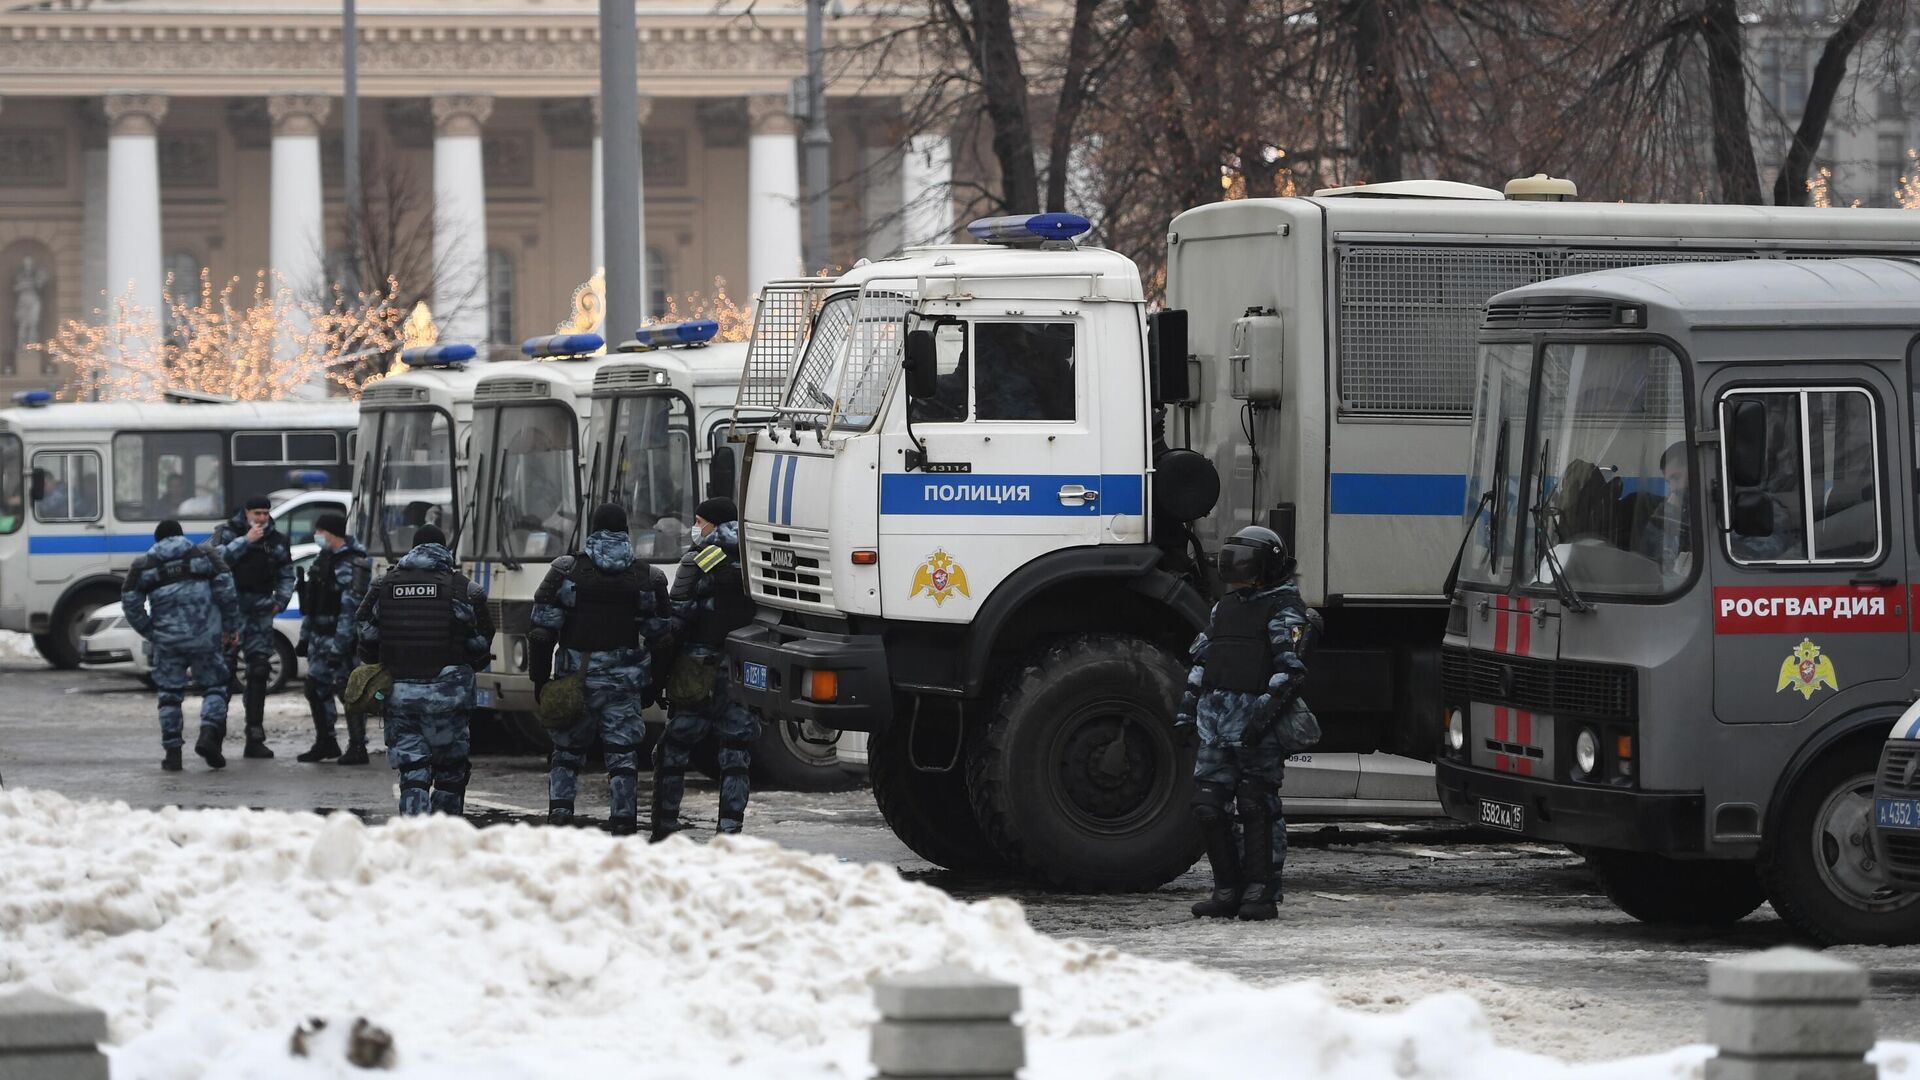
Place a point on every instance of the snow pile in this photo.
(17, 646)
(516, 952)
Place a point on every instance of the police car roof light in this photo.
(438, 355)
(33, 399)
(666, 335)
(553, 346)
(312, 478)
(1028, 228)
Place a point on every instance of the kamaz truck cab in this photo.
(1681, 624)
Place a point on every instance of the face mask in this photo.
(699, 534)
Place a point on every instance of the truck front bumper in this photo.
(864, 698)
(1583, 815)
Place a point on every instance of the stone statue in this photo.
(27, 283)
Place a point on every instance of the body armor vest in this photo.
(606, 607)
(725, 608)
(323, 594)
(1239, 656)
(253, 571)
(174, 571)
(418, 633)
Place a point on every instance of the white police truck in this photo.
(83, 484)
(968, 531)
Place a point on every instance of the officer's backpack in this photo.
(368, 689)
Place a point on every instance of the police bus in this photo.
(83, 484)
(413, 442)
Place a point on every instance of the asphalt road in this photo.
(1381, 913)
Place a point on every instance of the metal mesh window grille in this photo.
(813, 382)
(780, 322)
(874, 351)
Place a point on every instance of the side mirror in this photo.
(37, 487)
(1746, 437)
(1752, 514)
(720, 473)
(922, 365)
(1167, 355)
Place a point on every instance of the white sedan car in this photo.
(107, 640)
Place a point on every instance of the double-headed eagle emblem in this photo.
(940, 577)
(1806, 670)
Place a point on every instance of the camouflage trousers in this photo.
(1222, 761)
(328, 666)
(254, 657)
(171, 668)
(615, 683)
(428, 740)
(687, 727)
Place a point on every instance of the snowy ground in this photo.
(518, 951)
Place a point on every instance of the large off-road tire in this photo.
(1820, 866)
(928, 811)
(1077, 779)
(792, 756)
(61, 646)
(1677, 892)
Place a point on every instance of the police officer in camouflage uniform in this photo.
(1248, 669)
(709, 602)
(429, 626)
(331, 594)
(605, 612)
(262, 565)
(180, 598)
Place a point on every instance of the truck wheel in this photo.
(1820, 868)
(1078, 779)
(928, 811)
(1677, 892)
(795, 756)
(61, 646)
(283, 667)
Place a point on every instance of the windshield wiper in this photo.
(1453, 575)
(1543, 543)
(501, 519)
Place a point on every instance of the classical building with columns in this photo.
(146, 138)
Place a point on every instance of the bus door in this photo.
(1809, 586)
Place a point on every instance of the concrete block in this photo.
(1795, 1029)
(1786, 974)
(1730, 1067)
(53, 1065)
(945, 993)
(948, 1048)
(31, 1020)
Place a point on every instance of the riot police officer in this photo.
(180, 598)
(329, 597)
(605, 612)
(429, 627)
(1242, 706)
(262, 565)
(709, 602)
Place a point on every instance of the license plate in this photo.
(753, 675)
(783, 558)
(482, 699)
(1500, 815)
(1897, 813)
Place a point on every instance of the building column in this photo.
(93, 215)
(773, 192)
(599, 199)
(460, 217)
(296, 213)
(134, 268)
(926, 178)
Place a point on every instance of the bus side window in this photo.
(70, 490)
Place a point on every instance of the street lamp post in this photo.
(817, 143)
(620, 167)
(350, 142)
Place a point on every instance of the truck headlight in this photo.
(1586, 753)
(517, 654)
(1456, 730)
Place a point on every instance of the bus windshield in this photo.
(13, 498)
(529, 500)
(647, 443)
(415, 478)
(1608, 486)
(1499, 438)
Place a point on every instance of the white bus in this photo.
(413, 441)
(83, 484)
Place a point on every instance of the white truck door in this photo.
(1008, 463)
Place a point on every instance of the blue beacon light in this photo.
(308, 478)
(33, 399)
(1029, 228)
(553, 346)
(447, 355)
(666, 335)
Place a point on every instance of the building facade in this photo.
(142, 140)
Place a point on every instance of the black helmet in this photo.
(1254, 556)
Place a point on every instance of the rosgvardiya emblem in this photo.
(940, 577)
(1806, 670)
